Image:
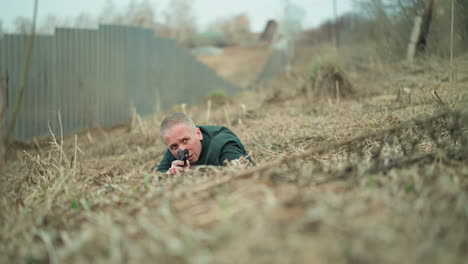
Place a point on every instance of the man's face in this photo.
(181, 136)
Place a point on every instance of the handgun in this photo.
(183, 154)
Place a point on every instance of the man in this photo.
(207, 145)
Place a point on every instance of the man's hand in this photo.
(178, 167)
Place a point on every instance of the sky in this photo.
(205, 11)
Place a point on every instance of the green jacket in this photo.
(218, 145)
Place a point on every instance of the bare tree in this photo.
(236, 29)
(49, 24)
(84, 20)
(141, 14)
(387, 25)
(23, 25)
(181, 19)
(109, 14)
(137, 13)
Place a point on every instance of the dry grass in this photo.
(395, 196)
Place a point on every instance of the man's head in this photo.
(179, 132)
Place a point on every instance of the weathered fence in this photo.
(95, 77)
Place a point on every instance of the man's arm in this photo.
(230, 151)
(165, 163)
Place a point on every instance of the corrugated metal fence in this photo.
(94, 77)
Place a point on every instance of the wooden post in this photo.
(337, 87)
(414, 39)
(208, 111)
(24, 79)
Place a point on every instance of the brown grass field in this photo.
(378, 177)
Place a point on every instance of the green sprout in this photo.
(312, 71)
(409, 186)
(74, 204)
(217, 93)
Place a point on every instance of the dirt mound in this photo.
(331, 82)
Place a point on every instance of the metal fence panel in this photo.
(15, 55)
(95, 77)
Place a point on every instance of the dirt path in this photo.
(237, 64)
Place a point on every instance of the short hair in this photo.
(174, 119)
